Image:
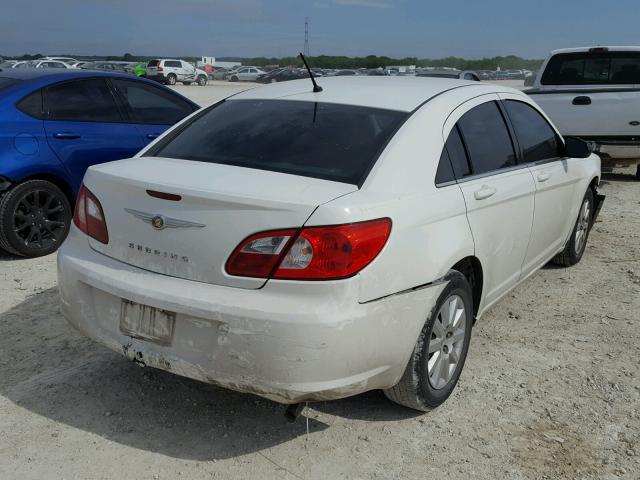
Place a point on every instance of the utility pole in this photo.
(306, 37)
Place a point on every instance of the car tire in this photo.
(440, 351)
(233, 79)
(575, 247)
(186, 83)
(638, 172)
(171, 79)
(48, 207)
(202, 81)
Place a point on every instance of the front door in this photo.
(84, 126)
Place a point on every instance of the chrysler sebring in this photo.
(305, 245)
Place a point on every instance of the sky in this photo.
(248, 28)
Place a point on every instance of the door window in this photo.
(454, 163)
(82, 101)
(172, 63)
(152, 105)
(535, 136)
(487, 139)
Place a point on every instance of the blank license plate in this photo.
(146, 323)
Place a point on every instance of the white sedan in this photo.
(311, 246)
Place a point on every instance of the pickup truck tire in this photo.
(577, 243)
(424, 386)
(35, 217)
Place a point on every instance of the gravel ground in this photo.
(551, 389)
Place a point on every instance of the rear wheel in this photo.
(577, 243)
(440, 352)
(171, 79)
(202, 80)
(35, 217)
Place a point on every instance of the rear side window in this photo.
(32, 104)
(320, 140)
(444, 174)
(148, 104)
(454, 163)
(535, 136)
(7, 82)
(172, 63)
(487, 139)
(586, 68)
(82, 101)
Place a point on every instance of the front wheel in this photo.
(233, 79)
(440, 352)
(35, 217)
(577, 243)
(202, 80)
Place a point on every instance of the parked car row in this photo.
(245, 217)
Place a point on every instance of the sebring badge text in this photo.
(159, 253)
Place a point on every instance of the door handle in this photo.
(484, 192)
(152, 136)
(543, 176)
(66, 136)
(582, 100)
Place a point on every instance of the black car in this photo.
(282, 75)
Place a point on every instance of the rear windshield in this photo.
(320, 140)
(7, 82)
(608, 68)
(153, 63)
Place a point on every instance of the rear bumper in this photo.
(289, 341)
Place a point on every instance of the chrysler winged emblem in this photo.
(160, 222)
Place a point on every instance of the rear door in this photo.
(153, 109)
(84, 126)
(581, 89)
(498, 192)
(556, 179)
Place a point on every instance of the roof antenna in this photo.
(316, 88)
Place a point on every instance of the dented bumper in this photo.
(289, 341)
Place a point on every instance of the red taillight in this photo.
(89, 216)
(315, 253)
(160, 69)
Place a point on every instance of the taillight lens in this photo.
(160, 69)
(89, 216)
(314, 253)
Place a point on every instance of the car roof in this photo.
(392, 93)
(586, 49)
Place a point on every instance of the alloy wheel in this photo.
(582, 228)
(38, 219)
(446, 342)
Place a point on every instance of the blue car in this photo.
(53, 126)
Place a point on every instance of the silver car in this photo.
(245, 74)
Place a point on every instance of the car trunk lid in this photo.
(219, 206)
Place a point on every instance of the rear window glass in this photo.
(7, 82)
(609, 68)
(320, 140)
(153, 63)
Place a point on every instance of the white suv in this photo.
(172, 71)
(305, 245)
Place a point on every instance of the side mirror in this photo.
(576, 147)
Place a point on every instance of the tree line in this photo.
(331, 61)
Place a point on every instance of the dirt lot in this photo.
(551, 390)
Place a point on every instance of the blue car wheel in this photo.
(35, 217)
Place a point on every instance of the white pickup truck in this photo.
(594, 94)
